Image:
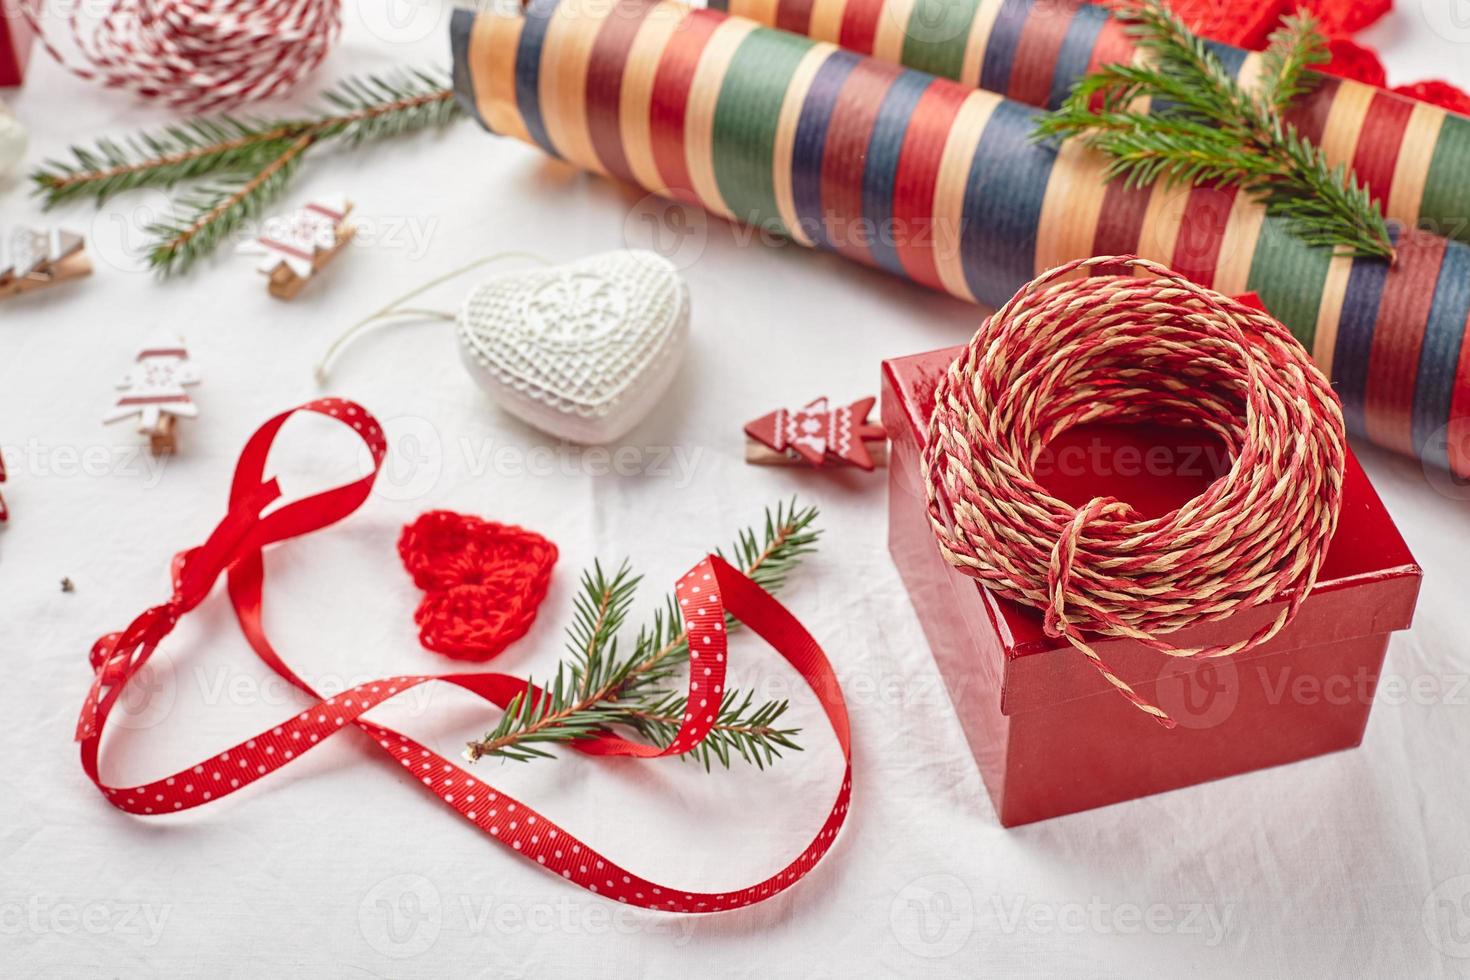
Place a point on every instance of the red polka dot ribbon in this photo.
(705, 594)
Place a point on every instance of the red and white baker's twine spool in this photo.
(198, 56)
(1121, 340)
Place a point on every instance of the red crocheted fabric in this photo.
(1346, 16)
(1243, 23)
(1439, 93)
(1249, 23)
(1351, 60)
(484, 582)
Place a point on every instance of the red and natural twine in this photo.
(197, 55)
(1122, 340)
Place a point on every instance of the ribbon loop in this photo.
(710, 590)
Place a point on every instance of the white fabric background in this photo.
(1345, 865)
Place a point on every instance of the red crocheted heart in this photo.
(1351, 60)
(1244, 23)
(484, 582)
(1439, 93)
(1347, 16)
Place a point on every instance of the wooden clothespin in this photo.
(153, 390)
(817, 436)
(31, 259)
(298, 245)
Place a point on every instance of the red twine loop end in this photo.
(485, 582)
(1124, 341)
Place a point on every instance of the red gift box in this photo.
(1049, 734)
(15, 44)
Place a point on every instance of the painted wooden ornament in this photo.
(817, 435)
(154, 391)
(32, 259)
(295, 246)
(582, 351)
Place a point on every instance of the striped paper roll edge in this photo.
(940, 183)
(1414, 156)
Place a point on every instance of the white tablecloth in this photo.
(1355, 863)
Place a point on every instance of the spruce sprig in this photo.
(601, 687)
(247, 162)
(1203, 128)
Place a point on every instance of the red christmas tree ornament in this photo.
(818, 436)
(484, 582)
(4, 511)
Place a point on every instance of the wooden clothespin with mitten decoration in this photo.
(296, 246)
(153, 390)
(31, 259)
(817, 435)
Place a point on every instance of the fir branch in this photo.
(1295, 48)
(251, 160)
(206, 216)
(1204, 128)
(599, 689)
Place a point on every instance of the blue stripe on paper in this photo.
(1355, 339)
(461, 26)
(810, 142)
(528, 70)
(1005, 38)
(1003, 198)
(881, 170)
(1076, 52)
(1439, 358)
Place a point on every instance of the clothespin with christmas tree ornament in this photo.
(817, 435)
(31, 259)
(153, 390)
(294, 247)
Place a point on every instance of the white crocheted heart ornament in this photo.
(584, 350)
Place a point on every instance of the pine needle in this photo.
(598, 689)
(1202, 128)
(247, 162)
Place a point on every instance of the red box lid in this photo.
(1368, 583)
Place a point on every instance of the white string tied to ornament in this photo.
(195, 55)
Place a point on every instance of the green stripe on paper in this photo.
(936, 36)
(1446, 207)
(1289, 277)
(746, 118)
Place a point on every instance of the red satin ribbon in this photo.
(710, 590)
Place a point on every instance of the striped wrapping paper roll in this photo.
(1415, 157)
(940, 182)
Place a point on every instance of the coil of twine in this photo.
(195, 55)
(1121, 340)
